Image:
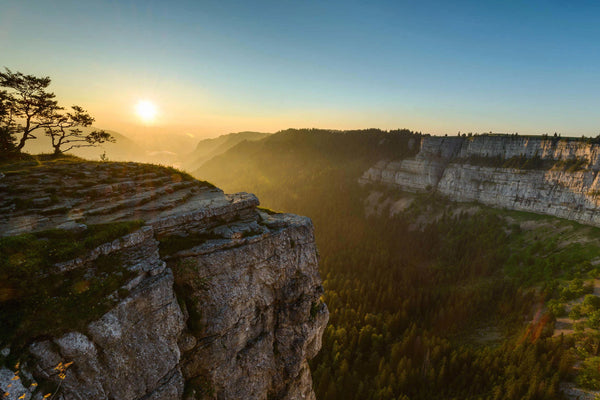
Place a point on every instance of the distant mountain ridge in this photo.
(208, 148)
(124, 149)
(292, 168)
(166, 149)
(303, 150)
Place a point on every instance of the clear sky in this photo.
(214, 67)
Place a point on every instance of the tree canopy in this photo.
(27, 107)
(63, 130)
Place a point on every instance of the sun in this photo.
(146, 110)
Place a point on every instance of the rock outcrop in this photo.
(551, 176)
(217, 299)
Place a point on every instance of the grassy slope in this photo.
(35, 302)
(208, 148)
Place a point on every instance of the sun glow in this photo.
(146, 110)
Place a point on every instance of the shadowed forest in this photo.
(440, 300)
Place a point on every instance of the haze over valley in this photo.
(226, 200)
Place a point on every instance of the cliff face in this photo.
(563, 183)
(216, 299)
(259, 318)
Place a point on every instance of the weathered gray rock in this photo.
(573, 196)
(72, 226)
(259, 313)
(545, 148)
(131, 352)
(443, 165)
(12, 386)
(80, 194)
(247, 315)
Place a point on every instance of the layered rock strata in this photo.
(221, 300)
(565, 184)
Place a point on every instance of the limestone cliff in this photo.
(215, 298)
(539, 174)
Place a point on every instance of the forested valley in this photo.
(440, 300)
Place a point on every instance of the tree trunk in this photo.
(21, 143)
(25, 134)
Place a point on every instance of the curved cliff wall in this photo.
(216, 298)
(545, 148)
(507, 146)
(564, 184)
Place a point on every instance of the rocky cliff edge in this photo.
(546, 175)
(206, 296)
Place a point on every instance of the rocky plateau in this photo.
(218, 298)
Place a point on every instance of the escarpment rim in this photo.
(544, 175)
(155, 269)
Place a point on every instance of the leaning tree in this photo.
(65, 133)
(26, 108)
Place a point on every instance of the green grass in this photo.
(58, 304)
(571, 165)
(523, 216)
(25, 163)
(526, 163)
(544, 255)
(36, 303)
(172, 244)
(516, 162)
(33, 253)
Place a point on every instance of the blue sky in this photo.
(214, 67)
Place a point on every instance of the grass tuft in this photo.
(36, 303)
